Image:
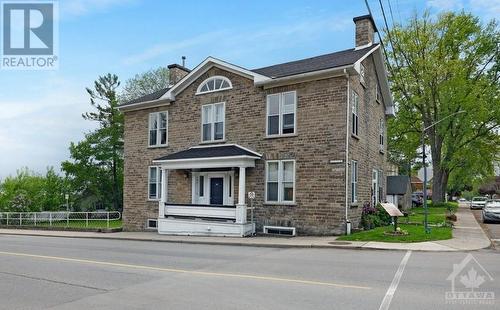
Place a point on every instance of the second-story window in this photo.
(355, 113)
(212, 119)
(362, 74)
(381, 134)
(281, 113)
(158, 129)
(213, 84)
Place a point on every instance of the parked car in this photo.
(416, 200)
(462, 200)
(478, 202)
(491, 211)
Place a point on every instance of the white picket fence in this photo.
(62, 219)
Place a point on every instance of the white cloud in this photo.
(37, 133)
(488, 8)
(239, 42)
(445, 5)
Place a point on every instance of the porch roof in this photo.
(210, 156)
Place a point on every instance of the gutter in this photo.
(326, 73)
(143, 105)
(346, 74)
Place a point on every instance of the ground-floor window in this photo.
(354, 181)
(280, 181)
(154, 183)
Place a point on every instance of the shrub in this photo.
(373, 217)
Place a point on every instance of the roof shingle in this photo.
(207, 152)
(328, 61)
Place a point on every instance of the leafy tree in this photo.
(28, 191)
(145, 84)
(96, 168)
(439, 67)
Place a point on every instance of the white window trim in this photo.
(362, 74)
(158, 136)
(212, 128)
(377, 93)
(354, 180)
(375, 185)
(355, 103)
(228, 191)
(280, 182)
(159, 183)
(199, 92)
(381, 137)
(280, 116)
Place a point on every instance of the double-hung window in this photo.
(281, 113)
(280, 181)
(158, 129)
(355, 113)
(354, 181)
(362, 74)
(212, 119)
(381, 134)
(154, 183)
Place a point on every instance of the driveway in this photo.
(491, 229)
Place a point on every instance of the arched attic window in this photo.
(213, 84)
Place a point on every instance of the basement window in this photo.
(152, 224)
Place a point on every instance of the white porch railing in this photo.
(63, 219)
(223, 212)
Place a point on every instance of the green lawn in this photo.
(73, 224)
(416, 233)
(414, 227)
(436, 215)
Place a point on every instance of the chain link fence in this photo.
(76, 220)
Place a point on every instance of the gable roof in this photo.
(149, 97)
(397, 184)
(324, 66)
(223, 150)
(416, 180)
(322, 62)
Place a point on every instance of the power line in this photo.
(379, 36)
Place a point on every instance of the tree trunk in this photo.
(439, 184)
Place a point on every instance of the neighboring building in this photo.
(307, 137)
(399, 191)
(416, 184)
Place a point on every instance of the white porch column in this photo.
(241, 207)
(163, 199)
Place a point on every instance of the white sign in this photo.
(251, 195)
(391, 209)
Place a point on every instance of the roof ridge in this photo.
(318, 56)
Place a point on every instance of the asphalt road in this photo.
(491, 229)
(61, 273)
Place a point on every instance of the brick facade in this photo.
(319, 207)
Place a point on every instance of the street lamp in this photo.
(426, 209)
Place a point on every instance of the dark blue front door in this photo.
(216, 191)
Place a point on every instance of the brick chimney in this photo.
(177, 72)
(365, 30)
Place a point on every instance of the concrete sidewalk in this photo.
(467, 236)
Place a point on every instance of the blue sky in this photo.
(40, 111)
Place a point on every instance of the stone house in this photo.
(303, 143)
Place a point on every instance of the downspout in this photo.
(347, 151)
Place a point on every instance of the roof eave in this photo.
(144, 105)
(203, 67)
(304, 77)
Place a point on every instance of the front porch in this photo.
(212, 210)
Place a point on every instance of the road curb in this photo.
(220, 243)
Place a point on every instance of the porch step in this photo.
(190, 227)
